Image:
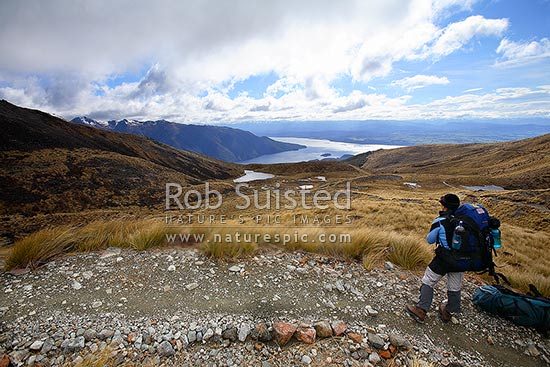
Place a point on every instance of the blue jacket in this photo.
(440, 231)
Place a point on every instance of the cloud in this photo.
(502, 103)
(419, 81)
(352, 104)
(187, 56)
(283, 85)
(418, 38)
(154, 83)
(258, 108)
(213, 41)
(472, 90)
(455, 35)
(296, 105)
(445, 8)
(518, 53)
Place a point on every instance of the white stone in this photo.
(371, 311)
(37, 345)
(96, 304)
(374, 358)
(244, 330)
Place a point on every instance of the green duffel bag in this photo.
(522, 309)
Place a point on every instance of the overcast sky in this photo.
(261, 60)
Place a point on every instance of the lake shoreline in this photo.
(315, 150)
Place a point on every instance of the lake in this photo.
(316, 149)
(253, 176)
(484, 188)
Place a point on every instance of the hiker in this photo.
(440, 234)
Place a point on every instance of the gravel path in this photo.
(177, 307)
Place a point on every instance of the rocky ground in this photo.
(175, 307)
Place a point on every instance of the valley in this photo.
(274, 183)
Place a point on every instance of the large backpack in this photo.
(521, 309)
(476, 250)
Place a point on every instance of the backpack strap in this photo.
(448, 223)
(496, 276)
(533, 291)
(501, 276)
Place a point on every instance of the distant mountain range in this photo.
(50, 165)
(411, 132)
(225, 143)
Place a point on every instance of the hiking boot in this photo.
(444, 315)
(418, 314)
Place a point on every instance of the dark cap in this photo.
(450, 201)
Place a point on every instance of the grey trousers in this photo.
(454, 285)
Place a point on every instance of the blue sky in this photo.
(216, 61)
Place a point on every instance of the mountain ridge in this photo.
(516, 164)
(405, 132)
(220, 142)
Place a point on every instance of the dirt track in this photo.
(182, 291)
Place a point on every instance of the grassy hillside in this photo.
(49, 166)
(513, 165)
(61, 180)
(30, 130)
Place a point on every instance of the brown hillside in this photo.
(313, 168)
(30, 130)
(49, 165)
(517, 164)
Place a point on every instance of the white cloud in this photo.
(283, 85)
(456, 35)
(216, 40)
(60, 57)
(518, 53)
(420, 81)
(461, 4)
(445, 8)
(472, 90)
(181, 106)
(502, 103)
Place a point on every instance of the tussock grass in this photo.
(102, 234)
(101, 359)
(46, 244)
(107, 358)
(41, 246)
(521, 279)
(368, 245)
(148, 237)
(523, 258)
(408, 252)
(371, 246)
(229, 250)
